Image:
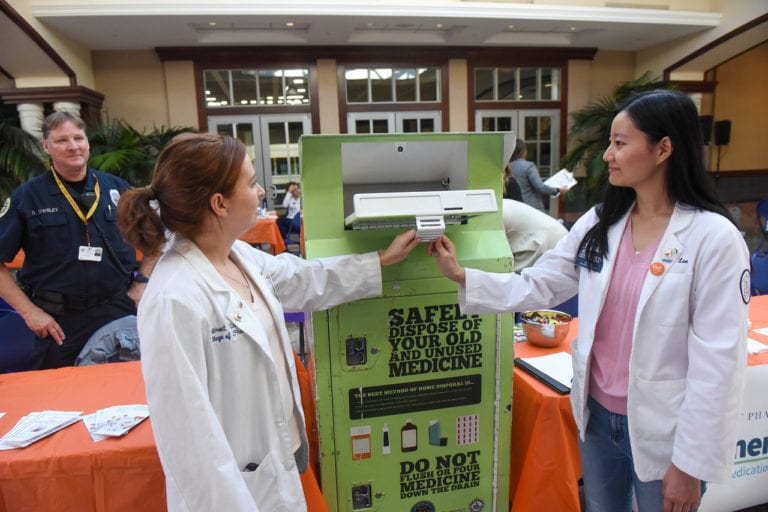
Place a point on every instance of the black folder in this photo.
(543, 377)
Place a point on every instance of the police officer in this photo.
(78, 273)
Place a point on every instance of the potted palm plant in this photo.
(21, 156)
(118, 148)
(589, 131)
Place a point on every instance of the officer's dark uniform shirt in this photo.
(41, 221)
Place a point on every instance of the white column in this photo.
(696, 97)
(67, 106)
(31, 118)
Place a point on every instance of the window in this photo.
(256, 87)
(394, 122)
(392, 85)
(517, 84)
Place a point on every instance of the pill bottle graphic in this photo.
(361, 442)
(385, 448)
(408, 437)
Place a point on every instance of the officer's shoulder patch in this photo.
(6, 207)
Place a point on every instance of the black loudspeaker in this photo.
(722, 133)
(706, 129)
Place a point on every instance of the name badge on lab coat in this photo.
(581, 261)
(88, 253)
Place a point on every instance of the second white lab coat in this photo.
(211, 378)
(686, 369)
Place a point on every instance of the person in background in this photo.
(510, 186)
(216, 356)
(527, 175)
(292, 205)
(662, 276)
(78, 273)
(530, 233)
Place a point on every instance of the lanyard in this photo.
(74, 205)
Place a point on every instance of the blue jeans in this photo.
(609, 472)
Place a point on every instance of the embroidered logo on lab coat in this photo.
(745, 284)
(225, 333)
(114, 195)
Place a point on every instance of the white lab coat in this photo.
(686, 369)
(211, 378)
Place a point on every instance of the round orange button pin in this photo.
(657, 268)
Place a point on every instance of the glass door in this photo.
(272, 142)
(540, 129)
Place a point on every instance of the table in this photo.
(67, 470)
(17, 261)
(545, 465)
(265, 231)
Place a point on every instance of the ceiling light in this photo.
(289, 24)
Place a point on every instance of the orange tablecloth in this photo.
(67, 470)
(545, 465)
(18, 261)
(265, 231)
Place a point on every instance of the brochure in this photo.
(114, 421)
(37, 425)
(756, 347)
(562, 178)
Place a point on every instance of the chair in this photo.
(762, 220)
(571, 306)
(17, 342)
(759, 256)
(759, 272)
(298, 318)
(294, 232)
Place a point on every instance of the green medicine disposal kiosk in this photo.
(414, 399)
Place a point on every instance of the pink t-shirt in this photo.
(609, 370)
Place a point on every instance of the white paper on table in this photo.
(115, 421)
(562, 178)
(90, 421)
(35, 426)
(755, 347)
(762, 330)
(2, 414)
(557, 366)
